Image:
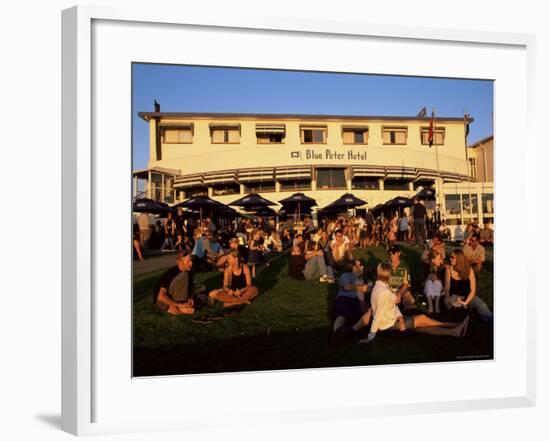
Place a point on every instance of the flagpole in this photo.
(439, 185)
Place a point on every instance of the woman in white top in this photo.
(388, 317)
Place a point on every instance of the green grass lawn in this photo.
(287, 327)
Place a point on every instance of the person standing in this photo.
(403, 227)
(144, 231)
(419, 219)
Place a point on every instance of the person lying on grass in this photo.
(175, 292)
(237, 283)
(350, 312)
(388, 317)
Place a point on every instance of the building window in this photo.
(424, 184)
(331, 178)
(355, 135)
(313, 135)
(177, 136)
(295, 184)
(365, 183)
(270, 133)
(225, 135)
(259, 186)
(439, 136)
(487, 203)
(396, 184)
(193, 192)
(452, 204)
(473, 168)
(221, 189)
(394, 135)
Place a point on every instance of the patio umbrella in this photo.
(201, 203)
(426, 194)
(265, 212)
(252, 200)
(377, 209)
(298, 202)
(145, 205)
(347, 201)
(398, 202)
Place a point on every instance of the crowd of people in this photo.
(387, 302)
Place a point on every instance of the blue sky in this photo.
(211, 89)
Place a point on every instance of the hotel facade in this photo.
(376, 158)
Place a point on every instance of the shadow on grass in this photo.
(303, 349)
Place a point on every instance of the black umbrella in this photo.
(377, 209)
(252, 200)
(265, 212)
(145, 205)
(202, 203)
(398, 202)
(426, 194)
(298, 202)
(347, 201)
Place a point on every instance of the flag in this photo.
(431, 130)
(422, 113)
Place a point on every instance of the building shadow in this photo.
(52, 420)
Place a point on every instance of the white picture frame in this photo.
(82, 360)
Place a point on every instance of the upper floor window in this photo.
(394, 135)
(313, 134)
(473, 169)
(177, 135)
(355, 135)
(225, 134)
(438, 139)
(270, 133)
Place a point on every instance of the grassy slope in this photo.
(286, 327)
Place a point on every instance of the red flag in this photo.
(431, 130)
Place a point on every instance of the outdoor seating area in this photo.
(266, 289)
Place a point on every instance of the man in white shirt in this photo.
(388, 317)
(341, 248)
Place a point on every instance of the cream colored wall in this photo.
(483, 154)
(203, 156)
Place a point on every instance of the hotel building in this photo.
(376, 158)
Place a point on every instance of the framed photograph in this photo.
(256, 209)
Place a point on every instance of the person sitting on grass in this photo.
(237, 283)
(400, 279)
(350, 313)
(255, 251)
(474, 253)
(388, 317)
(316, 267)
(433, 285)
(213, 249)
(274, 243)
(444, 231)
(460, 287)
(437, 245)
(296, 263)
(175, 292)
(340, 248)
(486, 235)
